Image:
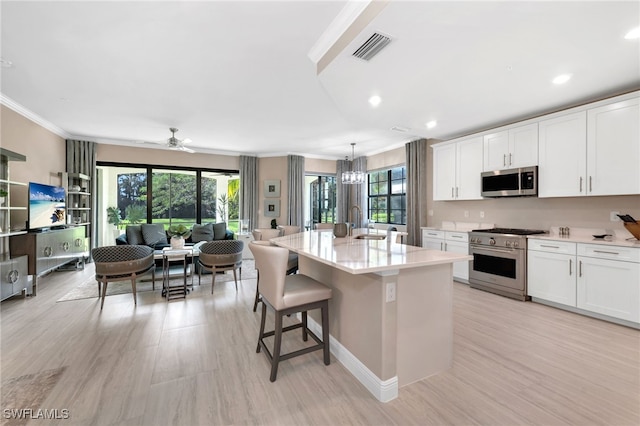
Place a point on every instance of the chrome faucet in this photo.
(355, 206)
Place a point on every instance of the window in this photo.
(387, 196)
(146, 194)
(321, 196)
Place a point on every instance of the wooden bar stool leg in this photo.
(304, 326)
(276, 347)
(104, 293)
(262, 321)
(325, 332)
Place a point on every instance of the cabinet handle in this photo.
(441, 247)
(457, 192)
(580, 183)
(456, 236)
(579, 268)
(510, 159)
(590, 186)
(504, 160)
(452, 196)
(605, 252)
(13, 276)
(570, 264)
(544, 245)
(445, 247)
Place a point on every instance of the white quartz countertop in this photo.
(359, 256)
(614, 240)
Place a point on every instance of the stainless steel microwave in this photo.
(510, 183)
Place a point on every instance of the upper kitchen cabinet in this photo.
(512, 148)
(613, 149)
(562, 155)
(593, 151)
(456, 170)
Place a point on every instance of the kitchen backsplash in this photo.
(537, 213)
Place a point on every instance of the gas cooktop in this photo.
(510, 231)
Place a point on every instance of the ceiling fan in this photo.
(178, 144)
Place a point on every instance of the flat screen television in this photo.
(47, 206)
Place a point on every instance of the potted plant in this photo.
(3, 196)
(114, 217)
(178, 233)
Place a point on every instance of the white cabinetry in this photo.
(562, 155)
(613, 149)
(458, 242)
(457, 168)
(451, 241)
(433, 239)
(591, 152)
(593, 279)
(512, 148)
(551, 271)
(609, 281)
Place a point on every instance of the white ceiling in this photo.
(236, 77)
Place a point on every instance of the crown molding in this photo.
(10, 103)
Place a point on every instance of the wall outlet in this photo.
(482, 215)
(613, 217)
(430, 212)
(391, 292)
(466, 213)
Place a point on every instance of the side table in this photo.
(172, 255)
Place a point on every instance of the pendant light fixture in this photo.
(353, 177)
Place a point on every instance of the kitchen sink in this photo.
(370, 237)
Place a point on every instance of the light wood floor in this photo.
(193, 362)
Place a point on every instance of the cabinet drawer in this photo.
(551, 246)
(601, 251)
(432, 233)
(462, 237)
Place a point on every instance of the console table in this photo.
(49, 250)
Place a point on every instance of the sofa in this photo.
(154, 235)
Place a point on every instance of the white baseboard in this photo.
(383, 390)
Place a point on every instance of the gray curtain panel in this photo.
(343, 192)
(295, 205)
(81, 158)
(416, 164)
(359, 195)
(249, 190)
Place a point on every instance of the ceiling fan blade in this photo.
(187, 140)
(185, 149)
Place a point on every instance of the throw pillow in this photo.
(153, 234)
(202, 232)
(134, 235)
(219, 230)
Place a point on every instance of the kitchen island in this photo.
(391, 317)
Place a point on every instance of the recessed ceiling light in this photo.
(4, 63)
(561, 79)
(375, 100)
(633, 34)
(431, 124)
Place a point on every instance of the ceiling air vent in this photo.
(372, 46)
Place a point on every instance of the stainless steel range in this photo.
(499, 262)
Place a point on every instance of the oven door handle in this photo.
(493, 250)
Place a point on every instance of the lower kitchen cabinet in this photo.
(591, 278)
(451, 241)
(606, 286)
(552, 276)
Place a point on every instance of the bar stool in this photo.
(292, 268)
(286, 295)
